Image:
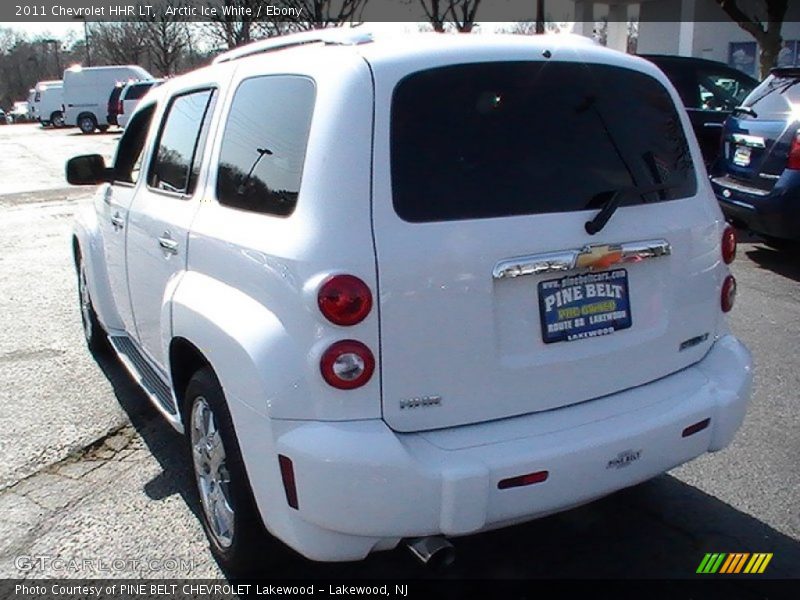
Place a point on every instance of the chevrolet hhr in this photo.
(404, 290)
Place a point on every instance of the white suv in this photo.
(413, 289)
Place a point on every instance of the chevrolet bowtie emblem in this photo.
(598, 257)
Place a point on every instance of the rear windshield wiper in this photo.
(611, 205)
(746, 110)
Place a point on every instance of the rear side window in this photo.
(264, 144)
(774, 97)
(135, 92)
(517, 138)
(172, 166)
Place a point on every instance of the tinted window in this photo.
(722, 90)
(171, 168)
(264, 145)
(137, 91)
(128, 162)
(499, 139)
(774, 96)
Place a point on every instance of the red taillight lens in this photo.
(347, 365)
(344, 300)
(794, 153)
(728, 245)
(728, 293)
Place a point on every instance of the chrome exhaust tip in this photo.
(434, 551)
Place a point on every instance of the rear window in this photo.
(517, 138)
(775, 96)
(135, 92)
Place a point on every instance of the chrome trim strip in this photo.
(567, 260)
(726, 182)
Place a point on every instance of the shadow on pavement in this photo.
(785, 262)
(658, 529)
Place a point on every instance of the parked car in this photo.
(2, 117)
(402, 290)
(710, 90)
(86, 91)
(113, 103)
(130, 95)
(47, 103)
(19, 113)
(757, 176)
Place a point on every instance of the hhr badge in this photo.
(623, 459)
(421, 401)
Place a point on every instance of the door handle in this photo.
(168, 244)
(710, 125)
(117, 222)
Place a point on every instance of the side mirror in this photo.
(89, 169)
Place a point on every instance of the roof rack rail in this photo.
(337, 37)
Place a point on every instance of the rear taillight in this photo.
(728, 293)
(344, 300)
(794, 153)
(728, 244)
(347, 365)
(120, 108)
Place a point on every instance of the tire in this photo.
(93, 331)
(87, 124)
(230, 519)
(57, 119)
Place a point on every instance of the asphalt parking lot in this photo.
(91, 473)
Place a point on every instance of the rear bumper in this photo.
(776, 214)
(363, 487)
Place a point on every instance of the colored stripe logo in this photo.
(734, 563)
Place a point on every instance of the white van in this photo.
(86, 91)
(47, 103)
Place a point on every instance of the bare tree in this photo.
(232, 28)
(118, 43)
(436, 12)
(318, 14)
(461, 13)
(168, 40)
(767, 32)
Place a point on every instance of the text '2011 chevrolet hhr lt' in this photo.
(406, 290)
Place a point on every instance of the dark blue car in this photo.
(756, 177)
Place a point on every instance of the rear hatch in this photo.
(494, 299)
(758, 136)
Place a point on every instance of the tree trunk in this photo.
(769, 48)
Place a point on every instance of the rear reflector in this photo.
(529, 479)
(699, 426)
(287, 474)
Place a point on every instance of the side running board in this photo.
(147, 377)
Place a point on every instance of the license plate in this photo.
(583, 306)
(741, 156)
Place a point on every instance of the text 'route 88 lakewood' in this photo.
(149, 10)
(169, 590)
